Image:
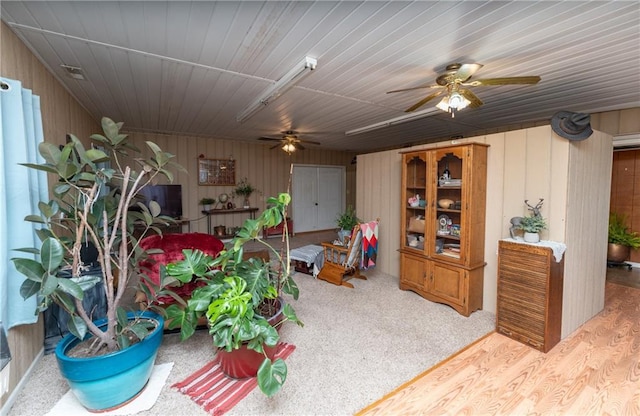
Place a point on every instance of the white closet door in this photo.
(304, 198)
(330, 196)
(318, 195)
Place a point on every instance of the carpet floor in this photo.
(356, 346)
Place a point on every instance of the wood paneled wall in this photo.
(587, 223)
(625, 191)
(523, 164)
(266, 169)
(61, 114)
(625, 179)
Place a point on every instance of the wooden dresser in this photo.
(530, 285)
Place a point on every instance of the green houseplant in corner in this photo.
(242, 299)
(620, 239)
(90, 204)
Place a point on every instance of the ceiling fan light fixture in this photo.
(289, 147)
(281, 86)
(453, 102)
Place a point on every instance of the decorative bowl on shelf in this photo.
(445, 203)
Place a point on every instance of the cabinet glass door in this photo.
(414, 202)
(449, 203)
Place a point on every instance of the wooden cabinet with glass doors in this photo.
(442, 225)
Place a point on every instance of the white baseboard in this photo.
(14, 394)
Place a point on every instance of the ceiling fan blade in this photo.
(415, 88)
(269, 139)
(465, 71)
(298, 146)
(473, 99)
(503, 81)
(423, 101)
(308, 142)
(273, 147)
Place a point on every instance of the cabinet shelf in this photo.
(450, 237)
(449, 210)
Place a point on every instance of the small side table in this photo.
(304, 258)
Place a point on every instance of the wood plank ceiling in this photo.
(191, 67)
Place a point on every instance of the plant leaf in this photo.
(71, 287)
(271, 376)
(77, 326)
(51, 254)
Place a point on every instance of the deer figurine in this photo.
(515, 221)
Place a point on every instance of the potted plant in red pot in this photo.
(242, 300)
(91, 203)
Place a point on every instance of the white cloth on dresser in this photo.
(557, 247)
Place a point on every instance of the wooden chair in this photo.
(343, 261)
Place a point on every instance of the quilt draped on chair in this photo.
(369, 244)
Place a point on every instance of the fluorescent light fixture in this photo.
(392, 122)
(287, 81)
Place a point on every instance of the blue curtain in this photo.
(20, 191)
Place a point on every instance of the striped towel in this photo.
(218, 393)
(369, 244)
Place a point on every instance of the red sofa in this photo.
(172, 246)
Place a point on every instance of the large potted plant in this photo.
(346, 221)
(621, 239)
(91, 201)
(242, 300)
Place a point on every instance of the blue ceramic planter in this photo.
(98, 382)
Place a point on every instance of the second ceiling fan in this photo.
(452, 82)
(289, 142)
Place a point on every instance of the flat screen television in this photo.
(169, 197)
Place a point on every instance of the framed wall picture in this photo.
(216, 171)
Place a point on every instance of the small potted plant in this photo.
(244, 189)
(206, 203)
(346, 221)
(532, 225)
(621, 239)
(242, 300)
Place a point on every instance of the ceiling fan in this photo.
(451, 83)
(289, 142)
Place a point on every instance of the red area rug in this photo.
(217, 393)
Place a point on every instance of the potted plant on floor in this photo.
(242, 300)
(621, 240)
(245, 190)
(91, 203)
(532, 225)
(346, 221)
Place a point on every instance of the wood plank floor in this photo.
(594, 371)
